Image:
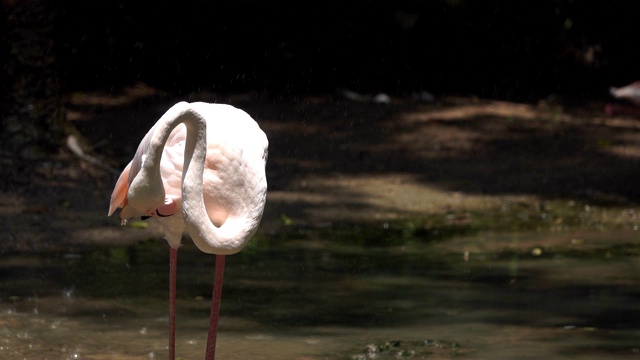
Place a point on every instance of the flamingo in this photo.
(630, 93)
(199, 169)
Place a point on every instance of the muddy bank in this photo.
(453, 165)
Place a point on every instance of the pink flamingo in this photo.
(630, 93)
(201, 168)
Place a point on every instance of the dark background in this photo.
(517, 50)
(524, 51)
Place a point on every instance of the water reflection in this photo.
(489, 296)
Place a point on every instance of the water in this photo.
(497, 296)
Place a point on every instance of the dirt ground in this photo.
(334, 160)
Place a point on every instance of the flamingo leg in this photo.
(173, 264)
(215, 307)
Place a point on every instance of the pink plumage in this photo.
(199, 169)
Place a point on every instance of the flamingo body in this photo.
(199, 169)
(629, 92)
(233, 180)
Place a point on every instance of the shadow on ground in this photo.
(332, 159)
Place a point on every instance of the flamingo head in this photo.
(145, 195)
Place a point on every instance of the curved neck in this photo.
(236, 231)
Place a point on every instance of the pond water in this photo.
(492, 296)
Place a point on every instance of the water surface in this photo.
(312, 297)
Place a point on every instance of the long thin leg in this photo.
(173, 264)
(215, 307)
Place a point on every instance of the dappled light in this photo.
(444, 179)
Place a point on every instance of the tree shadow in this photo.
(457, 145)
